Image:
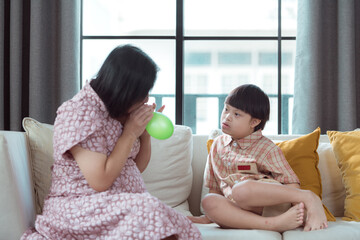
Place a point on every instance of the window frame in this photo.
(180, 40)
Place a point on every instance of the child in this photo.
(246, 172)
(100, 149)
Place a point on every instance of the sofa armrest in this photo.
(17, 198)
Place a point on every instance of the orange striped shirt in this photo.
(253, 157)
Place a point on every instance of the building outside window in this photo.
(207, 47)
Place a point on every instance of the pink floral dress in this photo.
(73, 210)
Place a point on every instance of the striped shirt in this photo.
(253, 157)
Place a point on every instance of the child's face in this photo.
(237, 123)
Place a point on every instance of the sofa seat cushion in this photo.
(336, 230)
(214, 232)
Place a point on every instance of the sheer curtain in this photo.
(327, 66)
(39, 58)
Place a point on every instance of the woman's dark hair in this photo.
(252, 100)
(125, 78)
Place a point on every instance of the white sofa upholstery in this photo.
(18, 197)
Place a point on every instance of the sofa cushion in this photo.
(301, 153)
(40, 142)
(335, 231)
(214, 232)
(333, 193)
(347, 152)
(169, 173)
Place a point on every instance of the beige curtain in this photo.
(327, 66)
(39, 58)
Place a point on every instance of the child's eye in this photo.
(237, 114)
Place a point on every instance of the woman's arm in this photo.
(143, 157)
(101, 171)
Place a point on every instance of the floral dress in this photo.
(73, 210)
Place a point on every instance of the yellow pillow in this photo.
(346, 147)
(303, 158)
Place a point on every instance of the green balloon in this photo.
(160, 126)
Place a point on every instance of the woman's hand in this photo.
(145, 133)
(143, 157)
(137, 120)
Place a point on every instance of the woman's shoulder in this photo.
(82, 111)
(84, 103)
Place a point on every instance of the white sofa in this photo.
(175, 175)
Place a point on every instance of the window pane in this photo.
(288, 17)
(234, 58)
(231, 17)
(198, 58)
(268, 58)
(287, 84)
(124, 17)
(161, 51)
(232, 63)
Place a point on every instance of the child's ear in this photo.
(254, 122)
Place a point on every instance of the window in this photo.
(204, 49)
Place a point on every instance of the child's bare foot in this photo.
(316, 218)
(291, 219)
(202, 219)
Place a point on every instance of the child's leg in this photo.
(249, 194)
(228, 215)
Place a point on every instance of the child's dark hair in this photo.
(252, 100)
(125, 78)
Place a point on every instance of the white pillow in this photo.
(333, 190)
(169, 173)
(40, 140)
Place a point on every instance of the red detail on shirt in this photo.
(244, 167)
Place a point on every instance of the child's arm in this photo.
(280, 168)
(99, 170)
